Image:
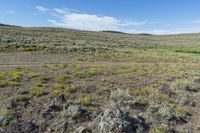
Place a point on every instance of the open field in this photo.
(59, 80)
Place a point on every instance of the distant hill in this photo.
(119, 32)
(7, 25)
(110, 31)
(145, 34)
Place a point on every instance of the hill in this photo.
(65, 80)
(8, 25)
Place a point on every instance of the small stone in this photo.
(60, 98)
(81, 129)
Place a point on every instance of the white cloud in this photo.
(75, 19)
(85, 21)
(88, 22)
(10, 12)
(66, 10)
(42, 9)
(71, 18)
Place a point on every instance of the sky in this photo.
(131, 16)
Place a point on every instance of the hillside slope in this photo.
(63, 80)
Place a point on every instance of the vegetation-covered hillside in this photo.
(62, 80)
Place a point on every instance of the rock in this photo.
(82, 129)
(116, 121)
(2, 130)
(60, 98)
(49, 112)
(197, 80)
(23, 127)
(58, 126)
(14, 104)
(76, 113)
(194, 87)
(54, 108)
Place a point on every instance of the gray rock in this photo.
(197, 80)
(116, 121)
(82, 129)
(60, 98)
(58, 126)
(49, 113)
(76, 113)
(23, 127)
(195, 87)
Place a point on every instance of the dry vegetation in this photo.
(46, 74)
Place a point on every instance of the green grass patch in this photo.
(37, 92)
(86, 100)
(20, 98)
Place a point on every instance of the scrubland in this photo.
(61, 80)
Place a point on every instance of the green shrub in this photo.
(40, 84)
(70, 89)
(87, 72)
(5, 83)
(180, 110)
(86, 100)
(134, 67)
(19, 98)
(15, 76)
(160, 129)
(63, 79)
(142, 91)
(37, 92)
(43, 79)
(60, 89)
(164, 97)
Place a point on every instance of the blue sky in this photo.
(132, 16)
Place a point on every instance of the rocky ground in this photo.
(59, 81)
